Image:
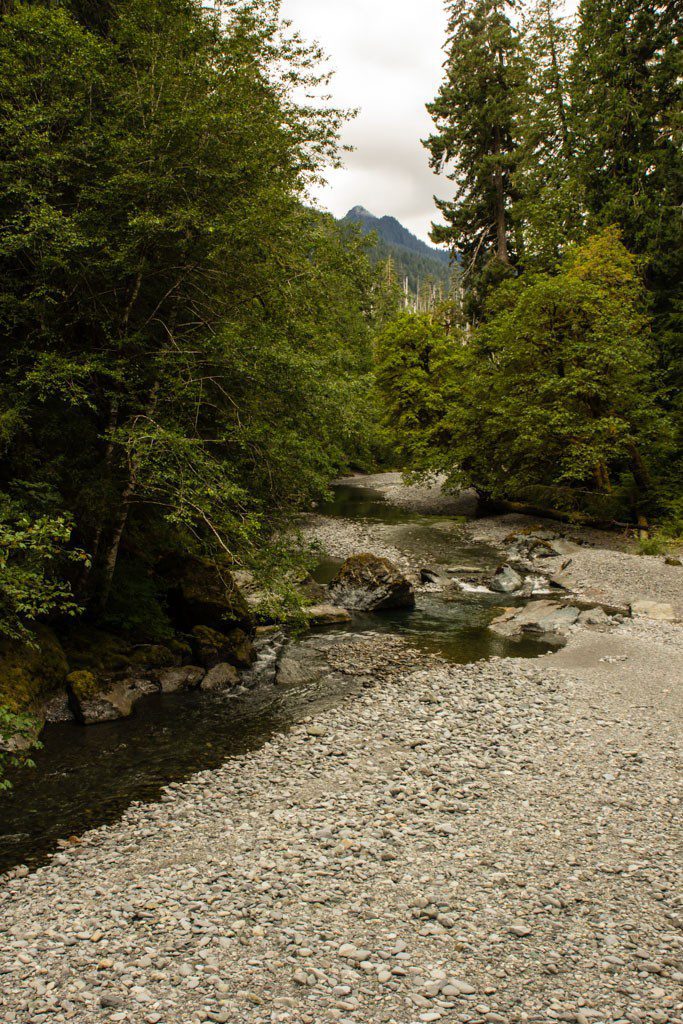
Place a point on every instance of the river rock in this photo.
(326, 614)
(186, 677)
(506, 580)
(212, 647)
(299, 664)
(57, 709)
(93, 701)
(541, 620)
(368, 583)
(221, 677)
(595, 617)
(432, 574)
(532, 546)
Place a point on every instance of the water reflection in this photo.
(86, 777)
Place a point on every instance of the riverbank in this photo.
(489, 842)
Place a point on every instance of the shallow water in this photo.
(85, 777)
(454, 626)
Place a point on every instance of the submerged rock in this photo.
(368, 583)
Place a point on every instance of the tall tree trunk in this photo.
(500, 219)
(601, 474)
(111, 557)
(108, 564)
(557, 81)
(641, 473)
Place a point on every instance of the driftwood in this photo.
(500, 505)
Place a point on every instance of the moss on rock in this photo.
(83, 684)
(29, 673)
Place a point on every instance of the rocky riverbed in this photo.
(492, 842)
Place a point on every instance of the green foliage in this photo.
(475, 116)
(557, 131)
(415, 372)
(549, 197)
(551, 390)
(177, 325)
(136, 605)
(33, 556)
(652, 545)
(17, 737)
(627, 91)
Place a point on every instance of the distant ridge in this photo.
(413, 258)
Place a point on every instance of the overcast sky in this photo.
(387, 55)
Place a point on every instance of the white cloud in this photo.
(387, 55)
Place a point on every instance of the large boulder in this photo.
(369, 583)
(185, 677)
(538, 620)
(93, 701)
(204, 593)
(32, 672)
(214, 648)
(221, 677)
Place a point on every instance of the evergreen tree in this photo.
(626, 105)
(549, 208)
(476, 139)
(556, 390)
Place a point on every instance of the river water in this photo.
(85, 777)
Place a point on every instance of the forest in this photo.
(554, 377)
(191, 353)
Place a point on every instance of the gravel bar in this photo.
(496, 842)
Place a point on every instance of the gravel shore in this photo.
(605, 567)
(496, 842)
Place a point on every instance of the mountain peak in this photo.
(398, 238)
(360, 211)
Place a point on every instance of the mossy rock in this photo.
(154, 656)
(97, 651)
(181, 649)
(83, 684)
(30, 673)
(214, 648)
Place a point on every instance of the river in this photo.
(85, 777)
